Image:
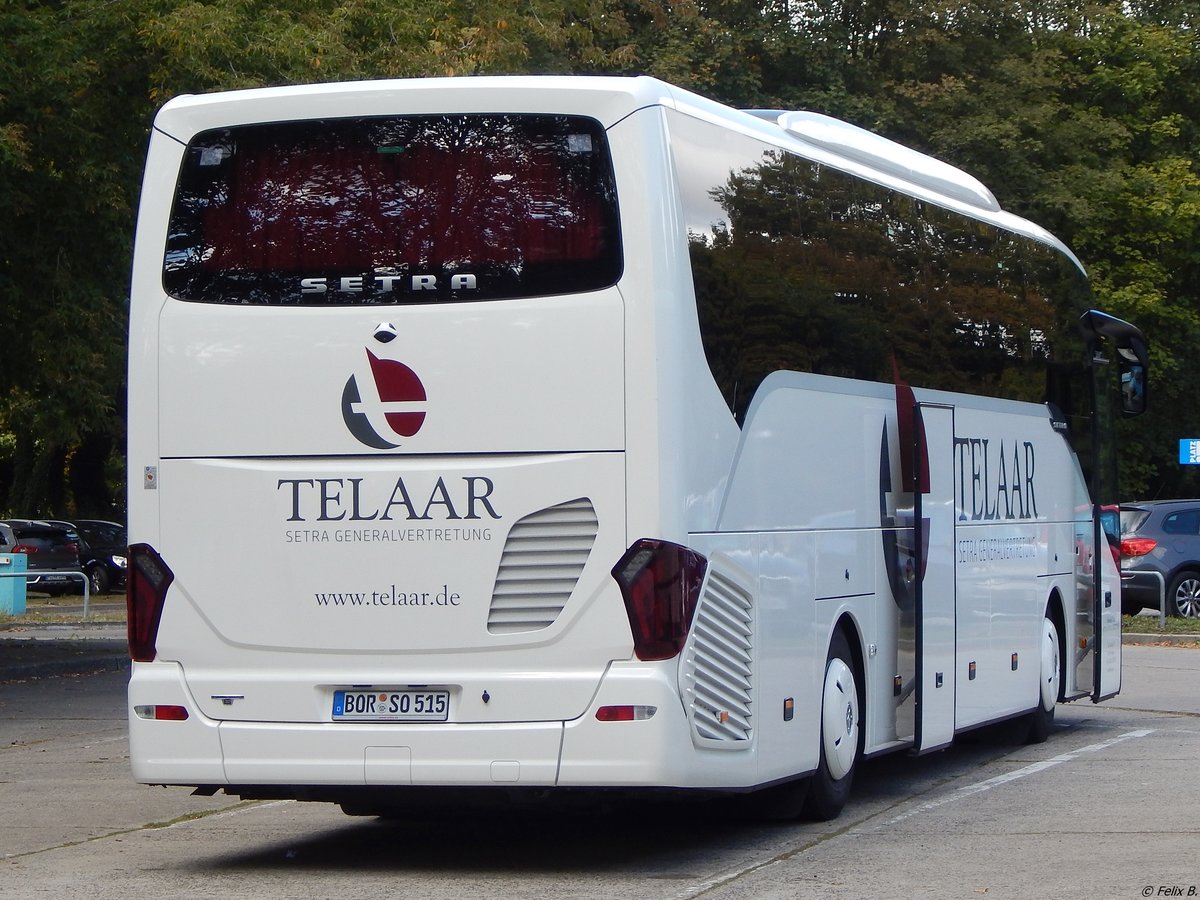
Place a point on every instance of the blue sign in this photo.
(1189, 451)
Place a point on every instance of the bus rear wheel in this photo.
(829, 787)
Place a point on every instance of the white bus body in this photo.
(382, 519)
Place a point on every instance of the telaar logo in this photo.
(387, 406)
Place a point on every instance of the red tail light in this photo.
(660, 582)
(147, 582)
(1131, 547)
(28, 549)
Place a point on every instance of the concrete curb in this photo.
(1174, 640)
(22, 659)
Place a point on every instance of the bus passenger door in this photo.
(935, 593)
(1082, 678)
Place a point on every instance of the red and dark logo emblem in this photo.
(385, 404)
(905, 541)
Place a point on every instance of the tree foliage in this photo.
(1079, 115)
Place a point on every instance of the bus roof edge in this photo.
(882, 154)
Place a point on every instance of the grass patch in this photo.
(1149, 625)
(67, 610)
(41, 617)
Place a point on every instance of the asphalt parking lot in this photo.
(54, 638)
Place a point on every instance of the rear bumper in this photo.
(1141, 586)
(57, 578)
(583, 752)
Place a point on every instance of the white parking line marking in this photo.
(981, 786)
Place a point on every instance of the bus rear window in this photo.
(416, 209)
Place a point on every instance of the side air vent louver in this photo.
(542, 560)
(718, 662)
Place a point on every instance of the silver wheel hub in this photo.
(1049, 665)
(839, 718)
(1187, 599)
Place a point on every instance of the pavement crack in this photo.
(122, 832)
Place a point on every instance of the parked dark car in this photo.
(1161, 537)
(50, 551)
(102, 549)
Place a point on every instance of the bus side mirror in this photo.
(1133, 358)
(1133, 386)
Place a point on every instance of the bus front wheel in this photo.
(1041, 720)
(841, 722)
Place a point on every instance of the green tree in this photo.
(1087, 125)
(1079, 115)
(79, 81)
(71, 94)
(1143, 232)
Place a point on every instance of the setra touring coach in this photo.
(550, 433)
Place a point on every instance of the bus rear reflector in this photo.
(625, 713)
(146, 588)
(162, 712)
(660, 582)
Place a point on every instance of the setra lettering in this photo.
(387, 284)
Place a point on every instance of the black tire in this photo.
(841, 734)
(98, 580)
(1183, 597)
(1041, 720)
(779, 803)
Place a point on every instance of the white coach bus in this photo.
(552, 432)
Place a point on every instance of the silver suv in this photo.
(1163, 537)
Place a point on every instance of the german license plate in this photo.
(409, 705)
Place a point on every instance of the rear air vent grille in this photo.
(718, 662)
(543, 558)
